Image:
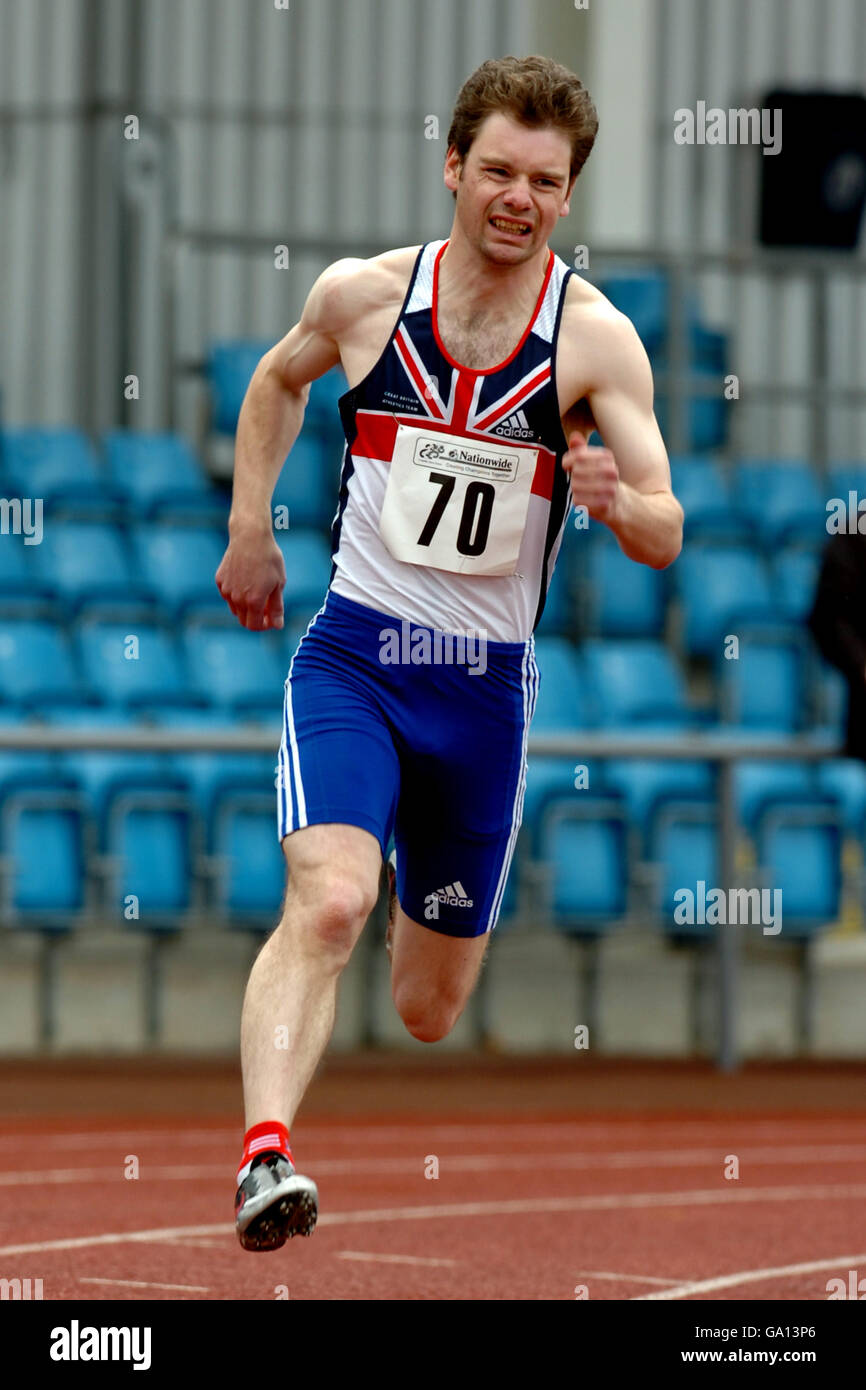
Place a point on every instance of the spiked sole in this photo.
(292, 1213)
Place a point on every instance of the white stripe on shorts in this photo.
(529, 683)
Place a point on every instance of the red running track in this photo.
(544, 1206)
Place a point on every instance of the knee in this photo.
(428, 1020)
(328, 911)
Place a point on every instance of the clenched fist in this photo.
(251, 579)
(594, 478)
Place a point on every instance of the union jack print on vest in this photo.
(452, 429)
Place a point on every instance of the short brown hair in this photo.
(535, 91)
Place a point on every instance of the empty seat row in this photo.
(143, 476)
(765, 679)
(596, 589)
(143, 664)
(98, 565)
(152, 870)
(770, 502)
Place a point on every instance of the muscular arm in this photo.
(638, 505)
(252, 573)
(273, 408)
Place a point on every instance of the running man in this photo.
(478, 367)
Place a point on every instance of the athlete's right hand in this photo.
(251, 578)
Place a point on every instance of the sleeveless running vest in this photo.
(452, 503)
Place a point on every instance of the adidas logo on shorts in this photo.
(452, 896)
(516, 427)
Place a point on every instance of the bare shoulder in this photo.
(589, 317)
(601, 338)
(352, 287)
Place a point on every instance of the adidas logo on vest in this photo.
(516, 427)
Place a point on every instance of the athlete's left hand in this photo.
(594, 478)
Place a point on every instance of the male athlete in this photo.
(478, 367)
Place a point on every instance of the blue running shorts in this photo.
(413, 734)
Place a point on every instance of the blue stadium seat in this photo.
(42, 844)
(323, 405)
(23, 592)
(702, 486)
(59, 466)
(212, 778)
(159, 475)
(25, 767)
(765, 687)
(801, 854)
(720, 588)
(557, 779)
(235, 668)
(832, 699)
(707, 416)
(781, 500)
(36, 665)
(230, 366)
(127, 793)
(844, 780)
(642, 296)
(760, 783)
(132, 663)
(844, 477)
(563, 699)
(634, 681)
(101, 775)
(252, 872)
(306, 484)
(562, 707)
(585, 851)
(561, 608)
(41, 824)
(624, 599)
(646, 784)
(307, 557)
(794, 570)
(152, 849)
(682, 842)
(179, 563)
(90, 563)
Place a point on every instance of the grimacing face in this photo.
(511, 189)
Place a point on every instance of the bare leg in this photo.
(432, 976)
(290, 1001)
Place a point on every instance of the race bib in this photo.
(456, 504)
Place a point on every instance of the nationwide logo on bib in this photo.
(476, 460)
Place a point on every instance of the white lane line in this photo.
(203, 1243)
(390, 1259)
(463, 1163)
(145, 1284)
(451, 1210)
(620, 1278)
(754, 1276)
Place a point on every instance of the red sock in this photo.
(271, 1136)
